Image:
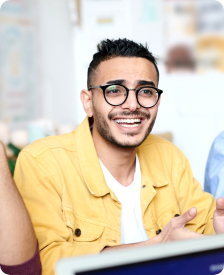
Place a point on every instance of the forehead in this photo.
(129, 68)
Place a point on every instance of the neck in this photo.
(119, 161)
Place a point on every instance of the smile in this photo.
(128, 123)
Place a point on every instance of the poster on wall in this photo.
(210, 42)
(17, 64)
(194, 36)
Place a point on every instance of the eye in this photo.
(146, 91)
(114, 91)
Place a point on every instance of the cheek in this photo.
(98, 103)
(153, 112)
(102, 108)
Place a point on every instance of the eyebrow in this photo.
(146, 83)
(139, 82)
(117, 82)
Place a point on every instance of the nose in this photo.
(131, 103)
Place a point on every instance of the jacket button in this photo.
(158, 232)
(177, 215)
(78, 232)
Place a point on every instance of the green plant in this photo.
(12, 161)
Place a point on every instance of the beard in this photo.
(104, 129)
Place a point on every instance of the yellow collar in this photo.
(91, 169)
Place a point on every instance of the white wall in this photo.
(192, 109)
(57, 63)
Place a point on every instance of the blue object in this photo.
(205, 263)
(214, 173)
(202, 256)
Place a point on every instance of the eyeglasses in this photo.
(116, 95)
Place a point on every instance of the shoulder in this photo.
(158, 142)
(161, 150)
(63, 142)
(219, 138)
(217, 148)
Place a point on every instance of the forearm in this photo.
(155, 240)
(17, 238)
(32, 266)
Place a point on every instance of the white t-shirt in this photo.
(132, 229)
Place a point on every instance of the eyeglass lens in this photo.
(116, 95)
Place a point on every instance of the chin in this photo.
(128, 142)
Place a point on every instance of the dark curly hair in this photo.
(108, 49)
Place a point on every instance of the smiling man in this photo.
(110, 184)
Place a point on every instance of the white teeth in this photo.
(130, 126)
(128, 120)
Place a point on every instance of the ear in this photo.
(86, 98)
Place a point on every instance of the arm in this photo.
(214, 174)
(17, 238)
(214, 180)
(189, 194)
(19, 251)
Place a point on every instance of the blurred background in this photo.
(47, 45)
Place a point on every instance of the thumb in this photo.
(3, 157)
(4, 167)
(220, 206)
(187, 217)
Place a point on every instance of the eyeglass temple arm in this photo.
(94, 87)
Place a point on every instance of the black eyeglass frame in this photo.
(104, 87)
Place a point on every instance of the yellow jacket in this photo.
(73, 210)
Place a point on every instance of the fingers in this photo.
(176, 230)
(218, 217)
(220, 206)
(187, 217)
(2, 147)
(3, 157)
(4, 167)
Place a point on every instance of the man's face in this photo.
(113, 122)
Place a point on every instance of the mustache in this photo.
(131, 114)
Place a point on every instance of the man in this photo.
(214, 173)
(19, 252)
(110, 185)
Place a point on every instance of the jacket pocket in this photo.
(86, 231)
(167, 215)
(69, 219)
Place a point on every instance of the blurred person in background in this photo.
(214, 173)
(19, 251)
(180, 59)
(110, 184)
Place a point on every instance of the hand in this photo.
(3, 157)
(218, 217)
(5, 174)
(175, 230)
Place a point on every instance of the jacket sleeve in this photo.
(214, 173)
(190, 194)
(42, 193)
